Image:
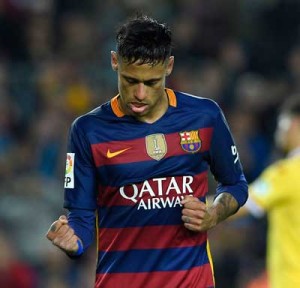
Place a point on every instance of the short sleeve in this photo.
(269, 189)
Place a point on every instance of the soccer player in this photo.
(277, 193)
(141, 162)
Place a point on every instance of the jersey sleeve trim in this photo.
(238, 190)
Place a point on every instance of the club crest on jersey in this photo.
(190, 141)
(156, 146)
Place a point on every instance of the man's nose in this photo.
(140, 92)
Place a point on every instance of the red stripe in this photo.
(138, 152)
(150, 237)
(111, 196)
(198, 277)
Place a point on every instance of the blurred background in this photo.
(55, 65)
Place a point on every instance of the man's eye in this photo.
(133, 81)
(150, 83)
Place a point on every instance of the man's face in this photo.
(141, 88)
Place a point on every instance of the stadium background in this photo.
(55, 65)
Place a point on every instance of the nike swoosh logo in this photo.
(110, 154)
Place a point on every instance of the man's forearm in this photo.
(223, 206)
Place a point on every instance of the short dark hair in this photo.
(144, 39)
(291, 106)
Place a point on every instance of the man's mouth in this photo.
(137, 107)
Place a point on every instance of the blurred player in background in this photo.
(141, 161)
(277, 193)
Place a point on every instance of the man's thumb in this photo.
(62, 220)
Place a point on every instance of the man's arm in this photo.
(63, 236)
(198, 216)
(73, 234)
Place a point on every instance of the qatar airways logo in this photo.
(158, 193)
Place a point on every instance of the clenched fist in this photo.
(63, 236)
(196, 216)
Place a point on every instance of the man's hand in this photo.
(62, 236)
(197, 216)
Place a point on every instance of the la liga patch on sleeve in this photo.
(69, 175)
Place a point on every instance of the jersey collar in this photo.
(119, 113)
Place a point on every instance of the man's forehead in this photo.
(141, 63)
(142, 70)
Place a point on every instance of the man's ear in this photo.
(170, 65)
(114, 60)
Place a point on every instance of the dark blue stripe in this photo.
(129, 216)
(138, 171)
(174, 259)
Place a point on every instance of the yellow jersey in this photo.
(277, 192)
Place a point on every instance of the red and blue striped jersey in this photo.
(135, 174)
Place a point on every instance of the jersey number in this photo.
(235, 153)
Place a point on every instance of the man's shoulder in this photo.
(100, 112)
(199, 103)
(93, 117)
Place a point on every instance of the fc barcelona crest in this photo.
(156, 146)
(190, 141)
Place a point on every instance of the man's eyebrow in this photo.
(153, 79)
(129, 77)
(137, 80)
